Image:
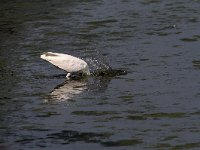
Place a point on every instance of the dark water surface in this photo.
(156, 105)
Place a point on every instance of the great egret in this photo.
(67, 62)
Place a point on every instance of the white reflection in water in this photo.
(72, 88)
(96, 83)
(68, 89)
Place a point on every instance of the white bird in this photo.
(67, 62)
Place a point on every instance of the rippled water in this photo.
(154, 105)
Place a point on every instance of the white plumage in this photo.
(67, 62)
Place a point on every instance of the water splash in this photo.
(99, 65)
(97, 62)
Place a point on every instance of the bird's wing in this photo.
(66, 62)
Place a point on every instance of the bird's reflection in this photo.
(70, 89)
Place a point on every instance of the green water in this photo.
(150, 100)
